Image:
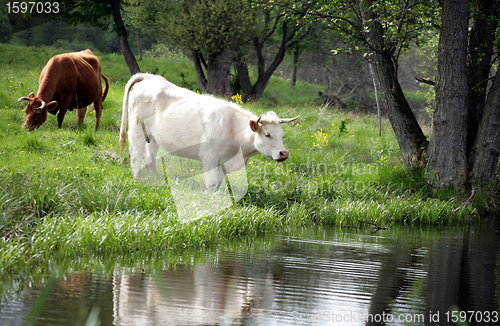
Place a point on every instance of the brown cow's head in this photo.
(36, 110)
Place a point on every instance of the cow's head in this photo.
(269, 136)
(36, 110)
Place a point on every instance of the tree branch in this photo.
(425, 81)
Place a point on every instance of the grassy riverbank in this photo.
(69, 192)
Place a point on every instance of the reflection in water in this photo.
(462, 274)
(317, 277)
(201, 295)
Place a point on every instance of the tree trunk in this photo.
(483, 115)
(293, 80)
(265, 74)
(219, 73)
(132, 64)
(480, 51)
(243, 76)
(122, 37)
(447, 150)
(486, 149)
(375, 88)
(217, 80)
(200, 75)
(412, 141)
(139, 48)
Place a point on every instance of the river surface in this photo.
(316, 276)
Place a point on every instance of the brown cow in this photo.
(68, 81)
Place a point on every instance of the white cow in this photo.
(194, 126)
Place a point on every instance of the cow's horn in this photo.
(41, 107)
(25, 98)
(258, 120)
(289, 120)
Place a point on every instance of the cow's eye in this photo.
(268, 136)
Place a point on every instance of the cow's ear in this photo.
(254, 125)
(51, 106)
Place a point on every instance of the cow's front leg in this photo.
(213, 171)
(214, 178)
(60, 116)
(81, 115)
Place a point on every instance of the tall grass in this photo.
(69, 191)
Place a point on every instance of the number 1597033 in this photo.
(32, 7)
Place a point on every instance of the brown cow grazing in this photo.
(68, 81)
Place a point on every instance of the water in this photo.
(317, 276)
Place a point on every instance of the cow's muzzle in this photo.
(30, 127)
(283, 155)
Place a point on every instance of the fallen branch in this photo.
(352, 193)
(465, 202)
(30, 218)
(374, 226)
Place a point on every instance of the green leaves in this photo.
(403, 22)
(206, 26)
(93, 12)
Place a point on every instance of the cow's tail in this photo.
(106, 87)
(123, 128)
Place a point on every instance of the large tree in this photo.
(97, 13)
(278, 31)
(209, 29)
(384, 49)
(386, 28)
(221, 34)
(464, 145)
(483, 102)
(447, 151)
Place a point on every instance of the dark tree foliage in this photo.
(97, 13)
(5, 28)
(209, 29)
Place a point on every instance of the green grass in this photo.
(69, 192)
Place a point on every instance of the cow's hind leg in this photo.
(137, 144)
(81, 115)
(98, 113)
(150, 151)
